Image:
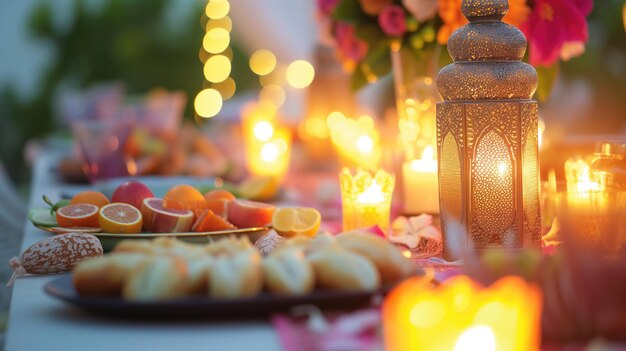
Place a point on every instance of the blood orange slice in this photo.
(78, 215)
(158, 219)
(120, 218)
(209, 221)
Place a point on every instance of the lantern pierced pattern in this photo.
(487, 134)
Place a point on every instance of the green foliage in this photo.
(547, 77)
(349, 11)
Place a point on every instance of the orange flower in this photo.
(452, 17)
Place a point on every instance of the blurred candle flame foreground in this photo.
(461, 315)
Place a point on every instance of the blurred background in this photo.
(52, 48)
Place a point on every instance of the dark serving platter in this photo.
(201, 307)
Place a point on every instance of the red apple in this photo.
(132, 192)
(248, 214)
(157, 219)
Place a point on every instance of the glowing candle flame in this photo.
(502, 169)
(263, 130)
(429, 153)
(577, 176)
(365, 144)
(372, 195)
(476, 338)
(269, 152)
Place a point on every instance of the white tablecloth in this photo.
(39, 322)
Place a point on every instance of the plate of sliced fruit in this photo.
(133, 212)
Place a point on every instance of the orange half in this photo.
(292, 221)
(120, 218)
(78, 215)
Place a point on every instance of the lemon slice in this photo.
(259, 188)
(292, 221)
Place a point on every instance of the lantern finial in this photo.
(487, 57)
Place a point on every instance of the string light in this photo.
(216, 56)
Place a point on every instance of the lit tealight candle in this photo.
(421, 184)
(267, 144)
(366, 199)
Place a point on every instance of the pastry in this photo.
(287, 272)
(389, 261)
(105, 275)
(239, 275)
(199, 270)
(157, 278)
(134, 245)
(340, 269)
(229, 246)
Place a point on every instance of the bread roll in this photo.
(287, 272)
(320, 241)
(199, 270)
(308, 244)
(105, 275)
(340, 269)
(298, 242)
(239, 275)
(229, 246)
(134, 245)
(157, 278)
(389, 261)
(173, 246)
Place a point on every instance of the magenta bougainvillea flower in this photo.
(554, 25)
(327, 6)
(392, 20)
(349, 45)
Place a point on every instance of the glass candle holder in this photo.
(366, 198)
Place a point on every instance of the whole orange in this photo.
(183, 197)
(90, 197)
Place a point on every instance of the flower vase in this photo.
(416, 97)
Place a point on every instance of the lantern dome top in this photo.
(487, 57)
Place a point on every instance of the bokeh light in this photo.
(203, 55)
(269, 152)
(263, 130)
(208, 103)
(217, 68)
(300, 74)
(226, 88)
(273, 93)
(334, 118)
(216, 40)
(225, 23)
(262, 62)
(216, 9)
(364, 143)
(277, 76)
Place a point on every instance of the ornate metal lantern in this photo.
(487, 135)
